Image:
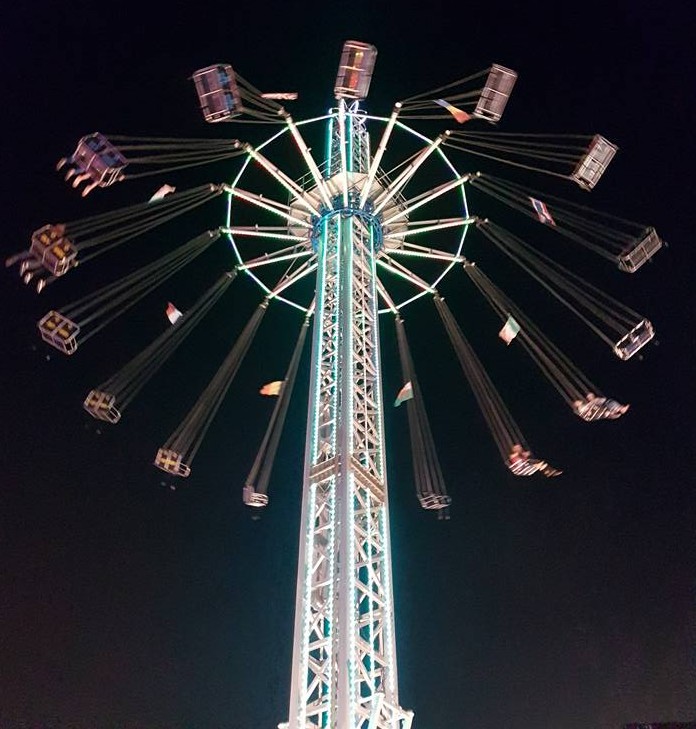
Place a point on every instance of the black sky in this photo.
(542, 605)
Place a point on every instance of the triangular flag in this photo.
(542, 211)
(173, 314)
(272, 389)
(509, 331)
(162, 192)
(460, 115)
(405, 393)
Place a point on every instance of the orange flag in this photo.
(460, 115)
(272, 389)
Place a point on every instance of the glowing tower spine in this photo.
(344, 672)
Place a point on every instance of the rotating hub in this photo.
(370, 222)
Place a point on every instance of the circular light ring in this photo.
(365, 214)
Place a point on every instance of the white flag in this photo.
(405, 393)
(281, 95)
(509, 331)
(162, 192)
(173, 314)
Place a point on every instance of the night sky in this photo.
(559, 604)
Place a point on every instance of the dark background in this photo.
(541, 604)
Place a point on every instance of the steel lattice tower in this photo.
(344, 657)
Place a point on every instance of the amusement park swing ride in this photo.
(362, 229)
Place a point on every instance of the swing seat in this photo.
(218, 93)
(495, 94)
(434, 501)
(643, 250)
(599, 409)
(102, 406)
(59, 331)
(252, 498)
(635, 340)
(355, 70)
(172, 462)
(592, 165)
(98, 160)
(525, 467)
(53, 249)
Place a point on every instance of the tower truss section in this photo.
(344, 657)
